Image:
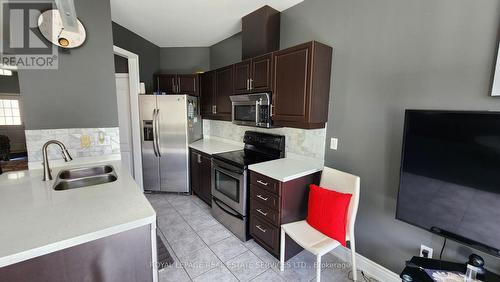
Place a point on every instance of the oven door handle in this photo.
(229, 210)
(230, 172)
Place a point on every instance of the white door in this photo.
(124, 120)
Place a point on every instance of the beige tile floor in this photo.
(204, 250)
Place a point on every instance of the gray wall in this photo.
(226, 52)
(184, 60)
(9, 84)
(149, 53)
(81, 93)
(391, 55)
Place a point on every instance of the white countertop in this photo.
(214, 145)
(288, 168)
(37, 220)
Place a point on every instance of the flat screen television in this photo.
(450, 176)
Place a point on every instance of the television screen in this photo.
(450, 175)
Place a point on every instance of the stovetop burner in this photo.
(259, 147)
(244, 158)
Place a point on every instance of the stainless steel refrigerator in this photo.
(169, 123)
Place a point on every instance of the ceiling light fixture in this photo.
(61, 26)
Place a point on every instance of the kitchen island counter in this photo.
(37, 220)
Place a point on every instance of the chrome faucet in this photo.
(47, 175)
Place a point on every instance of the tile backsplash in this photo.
(80, 142)
(304, 142)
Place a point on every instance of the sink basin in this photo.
(85, 172)
(84, 181)
(85, 176)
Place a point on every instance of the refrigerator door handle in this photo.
(157, 138)
(154, 133)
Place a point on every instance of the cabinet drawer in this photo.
(265, 212)
(265, 233)
(264, 197)
(264, 182)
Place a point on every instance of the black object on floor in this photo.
(164, 258)
(415, 270)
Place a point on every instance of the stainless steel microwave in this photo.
(252, 109)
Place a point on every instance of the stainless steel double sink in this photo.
(85, 176)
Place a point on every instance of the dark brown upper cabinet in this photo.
(260, 32)
(242, 73)
(187, 84)
(165, 83)
(253, 75)
(261, 79)
(224, 89)
(207, 94)
(301, 85)
(177, 83)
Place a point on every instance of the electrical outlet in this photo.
(334, 143)
(426, 252)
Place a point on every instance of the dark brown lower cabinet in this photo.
(123, 257)
(201, 175)
(273, 203)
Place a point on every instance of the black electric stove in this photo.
(259, 147)
(230, 196)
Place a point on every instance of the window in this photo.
(5, 72)
(9, 112)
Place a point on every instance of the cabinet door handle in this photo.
(261, 212)
(199, 158)
(251, 84)
(215, 109)
(260, 228)
(271, 110)
(262, 182)
(262, 198)
(173, 85)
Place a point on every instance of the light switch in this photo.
(334, 143)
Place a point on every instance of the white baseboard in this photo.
(369, 267)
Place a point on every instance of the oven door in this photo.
(229, 185)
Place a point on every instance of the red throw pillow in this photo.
(327, 212)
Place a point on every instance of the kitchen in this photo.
(169, 143)
(196, 129)
(250, 132)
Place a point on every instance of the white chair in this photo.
(316, 242)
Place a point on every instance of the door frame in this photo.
(134, 86)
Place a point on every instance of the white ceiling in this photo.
(183, 23)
